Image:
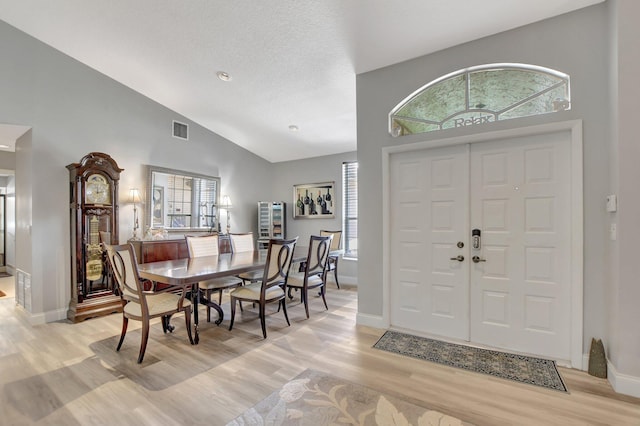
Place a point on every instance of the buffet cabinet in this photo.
(156, 250)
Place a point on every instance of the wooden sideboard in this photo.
(157, 250)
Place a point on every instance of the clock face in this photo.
(97, 190)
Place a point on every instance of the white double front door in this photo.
(514, 290)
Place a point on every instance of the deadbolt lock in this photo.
(460, 244)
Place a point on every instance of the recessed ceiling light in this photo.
(224, 76)
(293, 128)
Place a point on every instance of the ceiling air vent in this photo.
(180, 130)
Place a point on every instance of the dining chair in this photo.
(333, 259)
(139, 304)
(272, 287)
(207, 245)
(243, 242)
(314, 274)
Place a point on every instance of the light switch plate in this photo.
(612, 203)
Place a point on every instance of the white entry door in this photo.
(430, 216)
(516, 294)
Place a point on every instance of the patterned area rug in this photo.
(524, 369)
(315, 398)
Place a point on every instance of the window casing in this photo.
(350, 209)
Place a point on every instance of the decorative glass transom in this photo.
(479, 95)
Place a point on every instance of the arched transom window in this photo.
(479, 95)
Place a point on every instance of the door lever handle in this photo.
(459, 258)
(476, 259)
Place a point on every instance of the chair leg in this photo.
(284, 309)
(125, 323)
(187, 321)
(322, 292)
(145, 339)
(335, 272)
(304, 294)
(208, 296)
(220, 297)
(233, 312)
(263, 320)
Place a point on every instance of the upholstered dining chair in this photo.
(271, 288)
(207, 245)
(314, 274)
(141, 305)
(243, 242)
(333, 259)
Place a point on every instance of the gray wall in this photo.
(74, 110)
(578, 44)
(313, 170)
(623, 288)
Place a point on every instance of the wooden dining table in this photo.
(187, 273)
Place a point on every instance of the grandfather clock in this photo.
(93, 192)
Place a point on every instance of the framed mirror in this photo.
(181, 201)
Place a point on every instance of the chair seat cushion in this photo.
(219, 283)
(252, 292)
(297, 280)
(158, 304)
(251, 275)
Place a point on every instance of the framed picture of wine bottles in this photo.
(314, 201)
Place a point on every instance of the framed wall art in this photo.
(314, 201)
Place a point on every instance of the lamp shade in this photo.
(226, 202)
(134, 195)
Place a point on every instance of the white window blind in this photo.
(350, 209)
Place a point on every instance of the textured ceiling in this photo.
(292, 61)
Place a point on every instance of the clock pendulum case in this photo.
(93, 192)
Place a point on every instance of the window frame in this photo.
(350, 209)
(477, 114)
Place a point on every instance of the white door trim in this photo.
(576, 189)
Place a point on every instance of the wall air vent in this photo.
(180, 130)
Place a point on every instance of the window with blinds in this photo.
(350, 209)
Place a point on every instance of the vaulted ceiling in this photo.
(291, 62)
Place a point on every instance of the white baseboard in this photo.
(623, 383)
(368, 320)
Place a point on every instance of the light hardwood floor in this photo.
(70, 374)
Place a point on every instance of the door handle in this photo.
(459, 258)
(476, 259)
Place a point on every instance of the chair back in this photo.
(337, 236)
(241, 242)
(276, 268)
(124, 265)
(202, 245)
(319, 247)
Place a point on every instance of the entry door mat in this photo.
(525, 369)
(318, 399)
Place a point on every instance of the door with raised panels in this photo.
(429, 195)
(520, 200)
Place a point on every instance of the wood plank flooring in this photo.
(70, 374)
